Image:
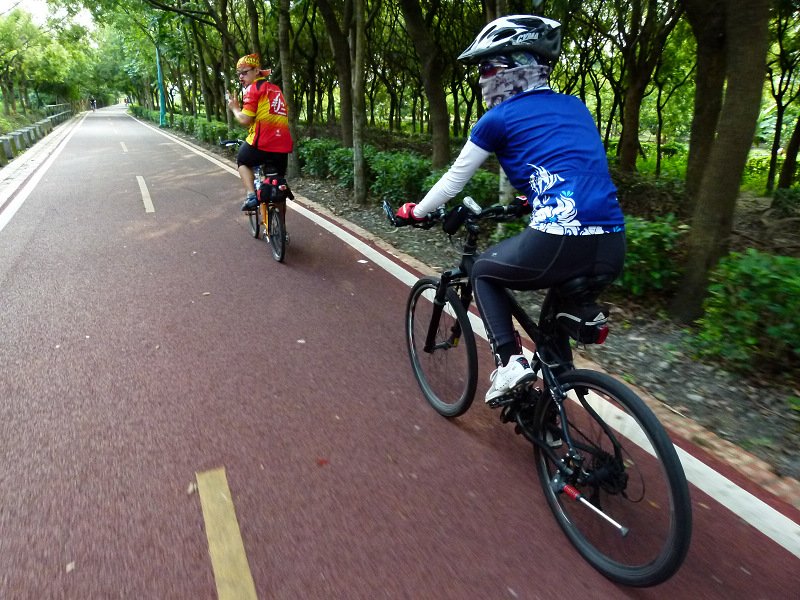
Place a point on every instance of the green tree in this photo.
(712, 220)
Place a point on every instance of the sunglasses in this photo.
(490, 69)
(243, 73)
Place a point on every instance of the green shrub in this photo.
(210, 131)
(482, 187)
(645, 197)
(398, 176)
(340, 165)
(184, 123)
(751, 317)
(313, 155)
(650, 261)
(432, 178)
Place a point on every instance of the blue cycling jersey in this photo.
(549, 147)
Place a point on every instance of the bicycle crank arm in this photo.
(575, 494)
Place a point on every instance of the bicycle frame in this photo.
(583, 458)
(459, 278)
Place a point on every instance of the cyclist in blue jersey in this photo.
(549, 148)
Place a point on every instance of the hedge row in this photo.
(752, 313)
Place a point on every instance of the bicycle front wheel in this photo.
(627, 469)
(277, 234)
(448, 372)
(255, 222)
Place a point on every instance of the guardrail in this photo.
(15, 143)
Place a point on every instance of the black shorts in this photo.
(533, 260)
(276, 162)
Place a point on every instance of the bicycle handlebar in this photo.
(468, 208)
(227, 143)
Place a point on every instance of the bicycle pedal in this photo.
(502, 401)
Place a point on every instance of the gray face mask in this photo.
(510, 82)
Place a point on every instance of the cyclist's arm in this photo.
(472, 156)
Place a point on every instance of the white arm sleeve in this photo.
(452, 182)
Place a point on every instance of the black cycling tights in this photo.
(275, 162)
(533, 260)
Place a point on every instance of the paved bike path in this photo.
(140, 349)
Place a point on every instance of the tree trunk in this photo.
(359, 108)
(780, 109)
(786, 177)
(287, 81)
(651, 23)
(707, 20)
(252, 17)
(713, 217)
(341, 56)
(432, 80)
(629, 140)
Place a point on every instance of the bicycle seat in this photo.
(584, 289)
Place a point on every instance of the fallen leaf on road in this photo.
(322, 462)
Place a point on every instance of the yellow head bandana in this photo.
(253, 61)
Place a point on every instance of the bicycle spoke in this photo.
(447, 370)
(620, 496)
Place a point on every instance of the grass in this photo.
(15, 121)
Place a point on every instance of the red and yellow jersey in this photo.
(270, 130)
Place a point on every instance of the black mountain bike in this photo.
(267, 221)
(608, 469)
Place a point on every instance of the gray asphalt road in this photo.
(138, 349)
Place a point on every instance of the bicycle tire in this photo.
(277, 234)
(255, 222)
(447, 376)
(657, 512)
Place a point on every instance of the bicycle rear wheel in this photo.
(277, 234)
(447, 375)
(255, 222)
(630, 471)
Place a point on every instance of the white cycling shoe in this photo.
(504, 379)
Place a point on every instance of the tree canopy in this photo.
(657, 76)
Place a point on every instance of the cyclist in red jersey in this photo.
(263, 110)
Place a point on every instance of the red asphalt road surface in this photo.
(138, 349)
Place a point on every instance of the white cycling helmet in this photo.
(515, 33)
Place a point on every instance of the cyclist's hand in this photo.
(405, 215)
(520, 206)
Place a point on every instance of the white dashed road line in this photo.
(148, 203)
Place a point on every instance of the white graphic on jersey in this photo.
(278, 105)
(554, 214)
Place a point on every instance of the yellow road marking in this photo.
(228, 559)
(148, 203)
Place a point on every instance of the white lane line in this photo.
(19, 162)
(757, 513)
(225, 546)
(194, 149)
(124, 147)
(148, 203)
